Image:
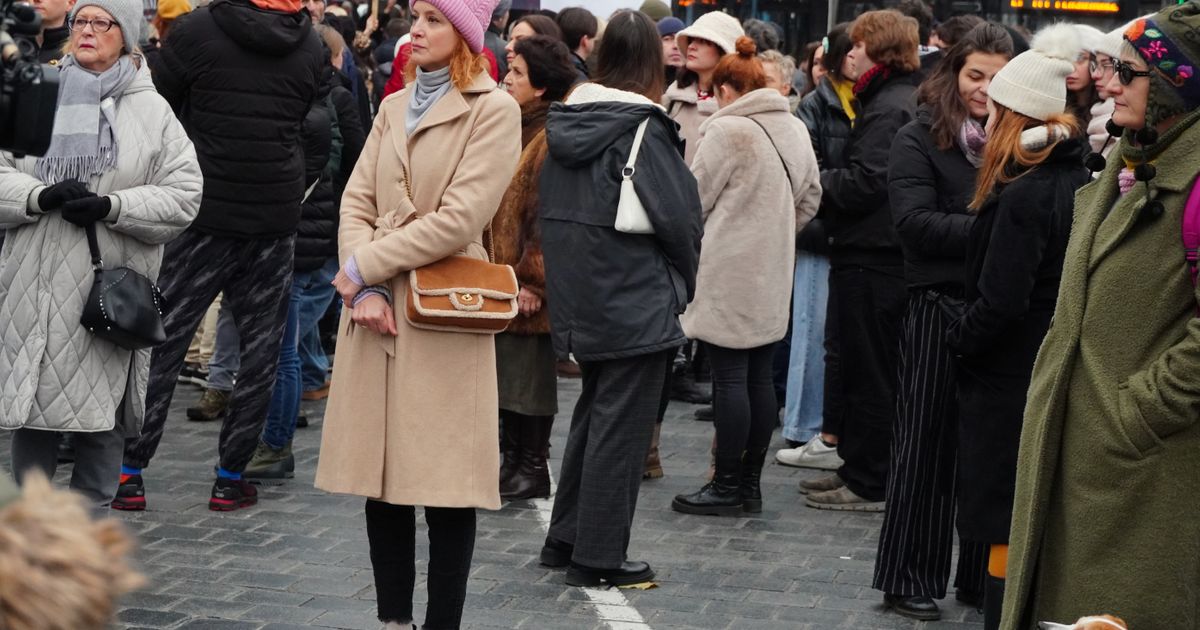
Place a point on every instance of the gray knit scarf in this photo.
(429, 88)
(84, 143)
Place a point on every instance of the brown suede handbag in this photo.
(461, 294)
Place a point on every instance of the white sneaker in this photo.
(813, 454)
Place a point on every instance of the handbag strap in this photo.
(487, 233)
(776, 147)
(629, 170)
(94, 246)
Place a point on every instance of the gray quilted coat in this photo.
(54, 375)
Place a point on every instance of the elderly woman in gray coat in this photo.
(118, 159)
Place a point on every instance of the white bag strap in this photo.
(627, 172)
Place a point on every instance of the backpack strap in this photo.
(1191, 233)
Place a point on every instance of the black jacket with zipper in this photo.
(241, 79)
(829, 128)
(614, 295)
(854, 200)
(929, 190)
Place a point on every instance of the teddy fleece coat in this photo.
(413, 419)
(753, 208)
(685, 107)
(54, 374)
(1106, 515)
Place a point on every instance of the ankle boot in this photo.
(752, 466)
(993, 602)
(510, 445)
(531, 480)
(653, 468)
(720, 497)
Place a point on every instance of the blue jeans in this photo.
(303, 313)
(806, 370)
(314, 365)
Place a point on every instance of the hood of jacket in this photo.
(261, 30)
(592, 119)
(762, 101)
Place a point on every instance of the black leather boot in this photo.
(531, 479)
(752, 466)
(720, 497)
(993, 602)
(510, 445)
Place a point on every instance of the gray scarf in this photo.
(429, 88)
(83, 143)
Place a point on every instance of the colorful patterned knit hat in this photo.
(1169, 43)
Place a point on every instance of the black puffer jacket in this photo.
(241, 79)
(929, 190)
(316, 238)
(614, 295)
(854, 200)
(829, 128)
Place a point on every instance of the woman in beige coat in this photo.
(412, 413)
(760, 185)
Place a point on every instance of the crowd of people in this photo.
(946, 258)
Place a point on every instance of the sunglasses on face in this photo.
(1126, 73)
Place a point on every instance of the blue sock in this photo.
(225, 474)
(126, 470)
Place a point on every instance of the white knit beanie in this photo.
(1034, 83)
(719, 28)
(1110, 43)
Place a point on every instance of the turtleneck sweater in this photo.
(427, 90)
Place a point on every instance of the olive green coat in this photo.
(1107, 508)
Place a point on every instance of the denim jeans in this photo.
(806, 370)
(227, 352)
(303, 312)
(317, 295)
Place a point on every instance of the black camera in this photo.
(28, 89)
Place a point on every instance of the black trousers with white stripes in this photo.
(917, 541)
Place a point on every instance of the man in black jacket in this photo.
(241, 76)
(579, 29)
(55, 32)
(867, 289)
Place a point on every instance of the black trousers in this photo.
(392, 533)
(833, 412)
(744, 409)
(256, 278)
(606, 454)
(917, 540)
(870, 305)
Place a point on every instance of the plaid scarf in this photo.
(83, 143)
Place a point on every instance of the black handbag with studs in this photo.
(124, 306)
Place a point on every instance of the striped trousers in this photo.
(917, 541)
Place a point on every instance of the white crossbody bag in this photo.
(631, 214)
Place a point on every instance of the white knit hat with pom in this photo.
(1034, 83)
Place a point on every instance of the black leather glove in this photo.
(53, 197)
(83, 212)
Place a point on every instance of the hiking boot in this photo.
(842, 500)
(821, 484)
(131, 494)
(271, 463)
(653, 469)
(814, 454)
(232, 494)
(211, 407)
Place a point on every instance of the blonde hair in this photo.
(333, 39)
(1004, 150)
(59, 568)
(785, 63)
(464, 66)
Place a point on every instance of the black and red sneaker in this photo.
(131, 494)
(232, 494)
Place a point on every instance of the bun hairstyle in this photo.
(741, 70)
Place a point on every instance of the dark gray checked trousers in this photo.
(605, 454)
(256, 277)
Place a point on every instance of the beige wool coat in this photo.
(685, 107)
(753, 209)
(412, 419)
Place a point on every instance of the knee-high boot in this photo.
(531, 479)
(510, 445)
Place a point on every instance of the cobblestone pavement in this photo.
(300, 559)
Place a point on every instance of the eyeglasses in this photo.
(1126, 74)
(1106, 67)
(99, 25)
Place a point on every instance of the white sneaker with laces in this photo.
(813, 454)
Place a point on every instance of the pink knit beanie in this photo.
(469, 17)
